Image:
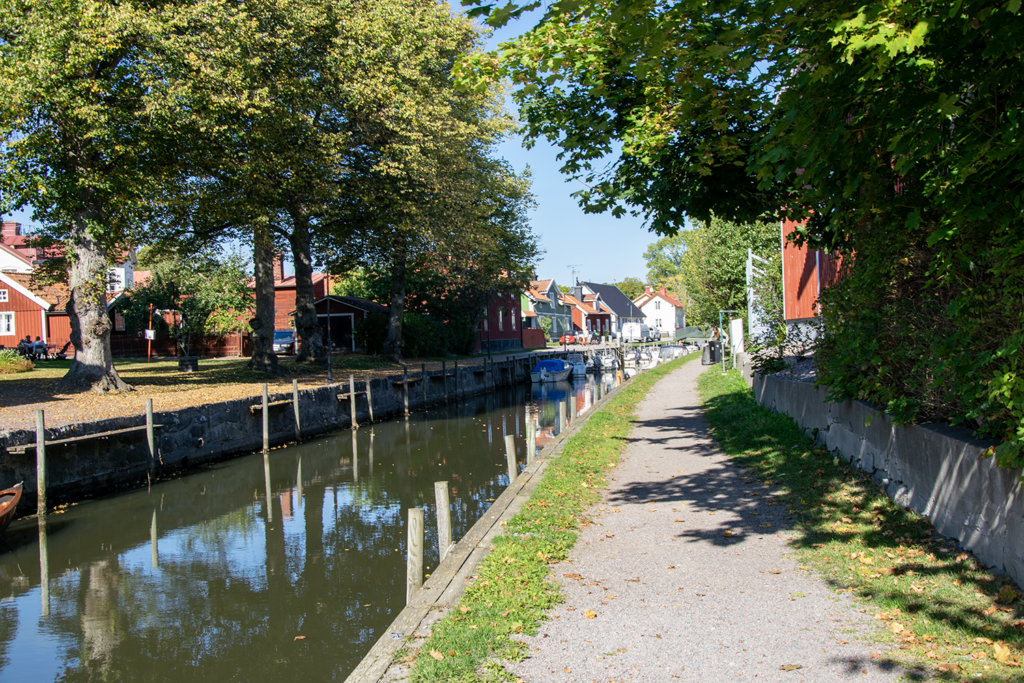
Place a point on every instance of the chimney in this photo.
(11, 229)
(577, 292)
(278, 267)
(662, 291)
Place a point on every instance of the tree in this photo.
(665, 263)
(713, 267)
(632, 287)
(210, 295)
(84, 140)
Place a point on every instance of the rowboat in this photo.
(8, 504)
(550, 371)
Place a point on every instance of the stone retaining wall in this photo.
(934, 469)
(214, 431)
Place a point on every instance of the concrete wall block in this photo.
(843, 443)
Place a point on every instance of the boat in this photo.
(579, 366)
(551, 371)
(8, 504)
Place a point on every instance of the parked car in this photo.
(567, 339)
(284, 342)
(655, 334)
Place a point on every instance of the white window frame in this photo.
(657, 305)
(7, 316)
(501, 320)
(4, 296)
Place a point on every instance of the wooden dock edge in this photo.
(445, 587)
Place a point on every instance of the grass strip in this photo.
(513, 589)
(941, 607)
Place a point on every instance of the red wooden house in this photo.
(501, 328)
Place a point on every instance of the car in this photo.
(567, 339)
(284, 342)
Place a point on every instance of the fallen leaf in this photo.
(947, 668)
(790, 667)
(590, 614)
(986, 641)
(574, 577)
(866, 560)
(300, 637)
(568, 671)
(774, 571)
(436, 655)
(990, 611)
(897, 628)
(464, 609)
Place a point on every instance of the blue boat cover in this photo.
(551, 365)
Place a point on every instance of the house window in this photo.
(3, 296)
(486, 326)
(501, 320)
(7, 325)
(513, 319)
(657, 305)
(118, 322)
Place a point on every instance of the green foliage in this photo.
(632, 287)
(208, 294)
(892, 128)
(371, 331)
(665, 263)
(713, 266)
(12, 362)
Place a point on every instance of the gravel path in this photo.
(691, 576)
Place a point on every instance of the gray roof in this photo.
(618, 302)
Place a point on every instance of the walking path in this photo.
(687, 574)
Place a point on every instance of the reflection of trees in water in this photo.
(8, 620)
(332, 573)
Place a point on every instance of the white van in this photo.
(635, 332)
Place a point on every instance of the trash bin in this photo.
(712, 353)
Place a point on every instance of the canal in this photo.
(216, 576)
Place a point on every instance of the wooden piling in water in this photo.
(150, 436)
(561, 417)
(44, 566)
(414, 554)
(444, 518)
(369, 397)
(295, 409)
(266, 420)
(405, 389)
(40, 463)
(423, 379)
(352, 399)
(572, 405)
(510, 455)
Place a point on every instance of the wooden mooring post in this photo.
(444, 518)
(561, 416)
(41, 463)
(352, 399)
(150, 436)
(414, 554)
(295, 409)
(369, 397)
(266, 421)
(423, 379)
(405, 389)
(510, 455)
(572, 406)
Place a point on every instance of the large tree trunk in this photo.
(306, 324)
(262, 324)
(393, 344)
(93, 366)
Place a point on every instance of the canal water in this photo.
(215, 576)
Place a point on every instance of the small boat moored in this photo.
(8, 504)
(579, 366)
(551, 371)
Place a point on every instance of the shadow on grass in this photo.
(860, 540)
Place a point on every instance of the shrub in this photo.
(12, 362)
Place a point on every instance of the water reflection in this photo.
(285, 565)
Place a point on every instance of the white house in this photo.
(661, 310)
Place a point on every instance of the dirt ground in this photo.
(220, 379)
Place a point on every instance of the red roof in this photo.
(56, 295)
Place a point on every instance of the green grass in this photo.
(939, 605)
(513, 591)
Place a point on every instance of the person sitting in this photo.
(25, 346)
(39, 349)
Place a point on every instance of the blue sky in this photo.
(603, 248)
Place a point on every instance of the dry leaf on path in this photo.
(774, 571)
(790, 667)
(590, 614)
(436, 655)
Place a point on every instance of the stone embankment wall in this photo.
(214, 431)
(933, 469)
